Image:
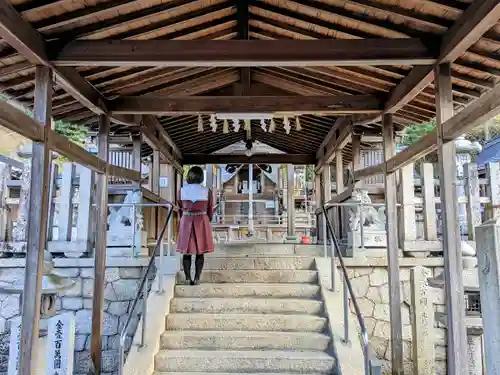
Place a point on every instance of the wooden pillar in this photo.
(155, 172)
(317, 190)
(290, 171)
(339, 178)
(356, 155)
(136, 154)
(100, 248)
(209, 181)
(393, 250)
(454, 289)
(327, 183)
(37, 224)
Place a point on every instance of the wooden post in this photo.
(472, 193)
(493, 187)
(100, 249)
(136, 153)
(454, 289)
(37, 220)
(290, 170)
(429, 206)
(327, 183)
(339, 178)
(356, 155)
(393, 249)
(407, 227)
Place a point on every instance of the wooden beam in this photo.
(31, 44)
(393, 250)
(100, 249)
(296, 159)
(471, 116)
(337, 143)
(153, 123)
(37, 225)
(475, 114)
(325, 52)
(454, 289)
(339, 123)
(17, 121)
(345, 104)
(479, 17)
(152, 140)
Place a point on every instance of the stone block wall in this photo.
(370, 284)
(122, 282)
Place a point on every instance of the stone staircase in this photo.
(250, 314)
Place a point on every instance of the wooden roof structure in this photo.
(334, 59)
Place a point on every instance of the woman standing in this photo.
(195, 230)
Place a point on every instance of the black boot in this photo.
(198, 263)
(186, 265)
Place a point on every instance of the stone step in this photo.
(241, 340)
(256, 276)
(224, 373)
(259, 263)
(210, 361)
(249, 290)
(269, 249)
(245, 322)
(246, 305)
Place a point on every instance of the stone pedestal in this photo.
(121, 243)
(474, 351)
(488, 256)
(374, 243)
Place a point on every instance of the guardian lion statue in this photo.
(372, 218)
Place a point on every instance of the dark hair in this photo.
(195, 175)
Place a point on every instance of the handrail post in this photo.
(346, 313)
(160, 276)
(361, 227)
(325, 237)
(134, 224)
(144, 309)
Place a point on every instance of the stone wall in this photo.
(370, 283)
(122, 282)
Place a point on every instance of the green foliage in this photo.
(75, 133)
(415, 132)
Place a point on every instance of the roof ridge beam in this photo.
(341, 104)
(244, 53)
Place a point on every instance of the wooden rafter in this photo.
(31, 44)
(243, 52)
(479, 17)
(245, 104)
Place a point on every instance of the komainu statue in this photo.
(373, 219)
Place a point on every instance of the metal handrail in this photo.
(143, 291)
(347, 287)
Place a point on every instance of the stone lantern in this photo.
(464, 150)
(52, 283)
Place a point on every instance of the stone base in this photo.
(125, 252)
(371, 239)
(124, 238)
(292, 239)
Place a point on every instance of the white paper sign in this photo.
(163, 182)
(61, 344)
(15, 343)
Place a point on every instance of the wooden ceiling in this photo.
(475, 71)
